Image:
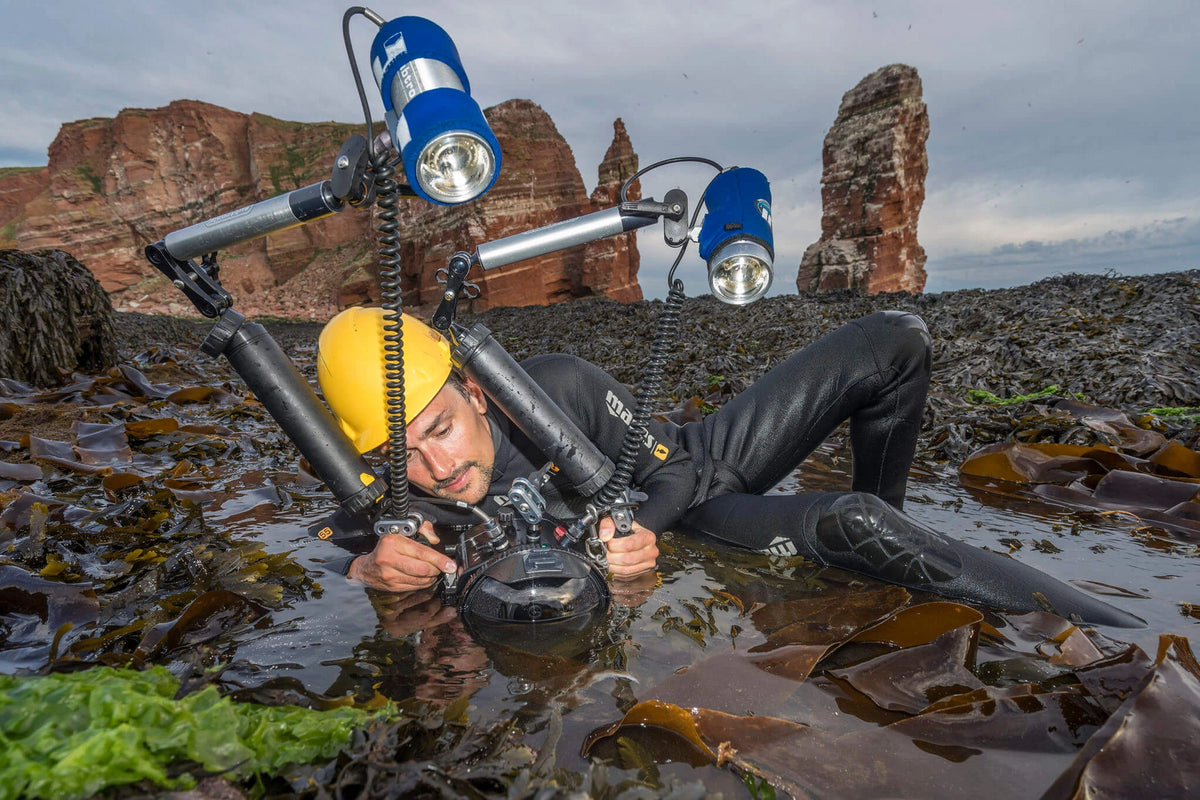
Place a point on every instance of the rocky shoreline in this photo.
(173, 537)
(1131, 343)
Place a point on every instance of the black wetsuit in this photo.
(708, 477)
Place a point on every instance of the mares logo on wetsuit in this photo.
(618, 410)
(780, 546)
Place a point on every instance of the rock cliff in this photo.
(18, 186)
(872, 189)
(114, 185)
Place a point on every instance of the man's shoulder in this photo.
(569, 380)
(542, 360)
(554, 366)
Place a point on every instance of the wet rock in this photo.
(872, 189)
(54, 318)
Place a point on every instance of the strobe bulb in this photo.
(736, 238)
(450, 153)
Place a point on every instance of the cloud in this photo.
(1158, 246)
(1049, 122)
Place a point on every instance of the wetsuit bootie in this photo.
(862, 533)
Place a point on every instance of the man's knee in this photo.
(904, 334)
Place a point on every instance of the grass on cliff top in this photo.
(6, 171)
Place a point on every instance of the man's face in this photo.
(450, 452)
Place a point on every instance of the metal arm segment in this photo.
(275, 214)
(282, 390)
(560, 235)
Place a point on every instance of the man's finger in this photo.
(428, 533)
(638, 540)
(639, 556)
(394, 547)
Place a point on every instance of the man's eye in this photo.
(443, 432)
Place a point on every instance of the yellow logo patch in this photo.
(325, 532)
(660, 452)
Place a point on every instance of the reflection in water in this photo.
(420, 650)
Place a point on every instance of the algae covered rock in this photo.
(54, 318)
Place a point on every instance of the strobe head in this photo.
(534, 584)
(450, 153)
(736, 238)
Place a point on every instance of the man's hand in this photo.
(629, 555)
(400, 564)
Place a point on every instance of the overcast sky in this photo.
(1064, 135)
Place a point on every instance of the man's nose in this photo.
(439, 464)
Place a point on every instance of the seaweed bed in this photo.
(155, 516)
(1120, 342)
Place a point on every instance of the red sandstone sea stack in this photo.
(872, 189)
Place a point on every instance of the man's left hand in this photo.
(629, 555)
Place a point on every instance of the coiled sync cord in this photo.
(387, 195)
(393, 334)
(665, 338)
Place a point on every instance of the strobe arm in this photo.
(559, 236)
(276, 382)
(278, 213)
(484, 360)
(350, 182)
(628, 216)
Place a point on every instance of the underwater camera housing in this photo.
(524, 566)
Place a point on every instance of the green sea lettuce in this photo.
(984, 397)
(74, 734)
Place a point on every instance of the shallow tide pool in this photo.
(768, 663)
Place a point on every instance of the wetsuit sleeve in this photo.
(351, 532)
(355, 533)
(603, 408)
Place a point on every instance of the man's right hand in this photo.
(400, 564)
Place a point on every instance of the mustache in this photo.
(442, 484)
(485, 473)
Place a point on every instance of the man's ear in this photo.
(475, 395)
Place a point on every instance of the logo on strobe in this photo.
(764, 208)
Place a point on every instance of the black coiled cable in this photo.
(388, 193)
(665, 337)
(664, 340)
(393, 333)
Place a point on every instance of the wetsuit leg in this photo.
(861, 533)
(873, 372)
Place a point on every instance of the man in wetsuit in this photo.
(706, 477)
